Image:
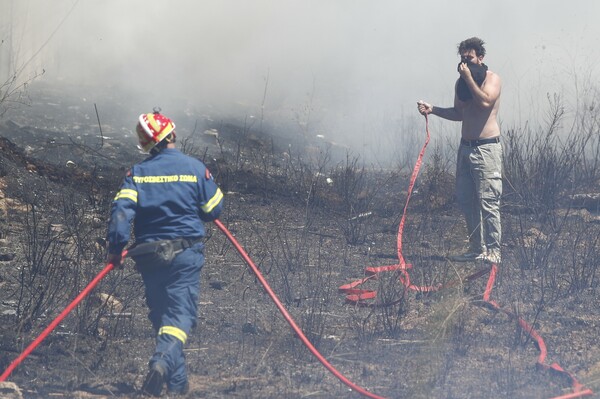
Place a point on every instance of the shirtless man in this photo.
(479, 161)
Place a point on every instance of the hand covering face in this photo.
(478, 71)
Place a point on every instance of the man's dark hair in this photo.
(473, 43)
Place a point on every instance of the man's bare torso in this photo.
(480, 123)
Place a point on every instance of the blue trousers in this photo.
(172, 297)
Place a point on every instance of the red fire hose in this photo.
(360, 296)
(289, 319)
(57, 320)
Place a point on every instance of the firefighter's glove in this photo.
(116, 260)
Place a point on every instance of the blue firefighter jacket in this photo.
(167, 196)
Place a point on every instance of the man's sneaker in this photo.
(155, 379)
(468, 257)
(492, 257)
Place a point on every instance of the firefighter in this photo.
(167, 196)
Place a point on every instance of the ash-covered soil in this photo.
(310, 229)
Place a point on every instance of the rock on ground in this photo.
(10, 390)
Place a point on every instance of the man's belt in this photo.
(477, 143)
(173, 246)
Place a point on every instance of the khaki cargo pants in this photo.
(478, 192)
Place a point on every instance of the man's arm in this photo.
(454, 113)
(211, 197)
(486, 95)
(121, 215)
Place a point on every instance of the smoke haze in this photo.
(349, 70)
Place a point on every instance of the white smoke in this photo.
(349, 70)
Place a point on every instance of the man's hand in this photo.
(115, 259)
(464, 71)
(424, 108)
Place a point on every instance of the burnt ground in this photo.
(308, 235)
